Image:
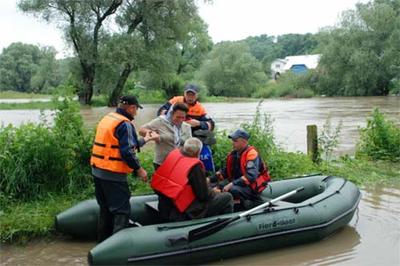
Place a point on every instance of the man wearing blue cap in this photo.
(245, 170)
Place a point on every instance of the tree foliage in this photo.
(362, 55)
(28, 68)
(231, 70)
(151, 34)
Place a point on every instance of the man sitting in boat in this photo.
(181, 184)
(201, 123)
(245, 171)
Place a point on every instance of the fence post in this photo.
(312, 142)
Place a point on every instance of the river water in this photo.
(371, 238)
(290, 116)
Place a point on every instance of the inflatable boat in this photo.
(295, 211)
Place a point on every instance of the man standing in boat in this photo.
(181, 184)
(245, 171)
(113, 158)
(201, 123)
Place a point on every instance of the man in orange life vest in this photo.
(246, 172)
(113, 158)
(182, 186)
(197, 115)
(201, 123)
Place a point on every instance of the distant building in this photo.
(297, 64)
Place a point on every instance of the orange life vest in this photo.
(249, 154)
(195, 110)
(105, 152)
(171, 179)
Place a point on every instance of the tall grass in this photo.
(380, 139)
(38, 158)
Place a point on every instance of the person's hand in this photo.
(228, 187)
(193, 122)
(142, 174)
(216, 190)
(152, 135)
(219, 176)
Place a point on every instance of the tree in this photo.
(231, 70)
(362, 55)
(82, 22)
(149, 29)
(28, 68)
(163, 38)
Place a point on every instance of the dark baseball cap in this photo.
(192, 88)
(239, 133)
(130, 100)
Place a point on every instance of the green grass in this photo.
(22, 95)
(30, 105)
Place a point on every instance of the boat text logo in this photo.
(275, 224)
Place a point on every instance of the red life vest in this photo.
(171, 179)
(249, 154)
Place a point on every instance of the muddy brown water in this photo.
(371, 238)
(290, 116)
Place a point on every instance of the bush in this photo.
(380, 139)
(37, 158)
(289, 85)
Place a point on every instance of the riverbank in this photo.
(10, 100)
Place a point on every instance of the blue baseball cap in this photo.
(239, 133)
(192, 88)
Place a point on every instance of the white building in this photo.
(297, 64)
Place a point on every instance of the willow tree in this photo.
(362, 55)
(82, 22)
(147, 31)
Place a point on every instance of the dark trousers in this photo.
(221, 203)
(248, 198)
(113, 199)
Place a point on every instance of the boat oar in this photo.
(217, 225)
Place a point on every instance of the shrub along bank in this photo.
(44, 169)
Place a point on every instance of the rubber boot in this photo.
(120, 222)
(104, 226)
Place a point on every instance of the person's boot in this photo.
(104, 226)
(120, 222)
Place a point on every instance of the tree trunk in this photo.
(116, 93)
(88, 74)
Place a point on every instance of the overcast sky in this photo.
(227, 20)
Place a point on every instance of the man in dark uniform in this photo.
(113, 158)
(245, 171)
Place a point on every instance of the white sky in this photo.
(227, 20)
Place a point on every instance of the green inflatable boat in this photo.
(295, 211)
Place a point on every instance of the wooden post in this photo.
(312, 142)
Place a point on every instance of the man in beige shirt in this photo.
(172, 130)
